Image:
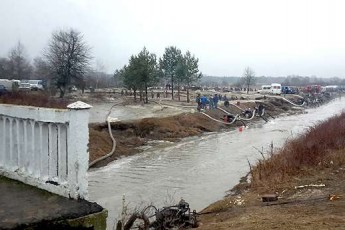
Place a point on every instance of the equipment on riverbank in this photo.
(172, 217)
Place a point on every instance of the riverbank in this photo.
(307, 175)
(132, 136)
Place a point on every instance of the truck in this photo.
(265, 89)
(36, 84)
(288, 90)
(10, 85)
(276, 88)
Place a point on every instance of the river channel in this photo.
(198, 169)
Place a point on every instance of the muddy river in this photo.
(198, 169)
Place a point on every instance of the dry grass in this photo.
(38, 99)
(100, 143)
(321, 146)
(168, 127)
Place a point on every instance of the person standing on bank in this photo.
(198, 101)
(211, 102)
(215, 101)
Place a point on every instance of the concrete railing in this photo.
(46, 148)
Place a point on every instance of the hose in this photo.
(113, 148)
(112, 138)
(292, 103)
(222, 122)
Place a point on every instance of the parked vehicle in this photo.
(2, 90)
(288, 90)
(24, 87)
(276, 88)
(225, 89)
(331, 88)
(36, 84)
(265, 89)
(73, 88)
(312, 89)
(9, 85)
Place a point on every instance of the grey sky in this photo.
(274, 37)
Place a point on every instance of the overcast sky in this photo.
(273, 37)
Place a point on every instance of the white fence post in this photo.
(78, 157)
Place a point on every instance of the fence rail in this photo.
(45, 147)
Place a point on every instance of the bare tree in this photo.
(248, 78)
(68, 56)
(18, 65)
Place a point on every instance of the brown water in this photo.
(199, 169)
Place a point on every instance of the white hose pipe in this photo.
(222, 122)
(109, 120)
(292, 103)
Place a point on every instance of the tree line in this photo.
(145, 70)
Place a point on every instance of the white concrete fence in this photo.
(46, 148)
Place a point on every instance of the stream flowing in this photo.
(197, 169)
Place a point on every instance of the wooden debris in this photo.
(310, 186)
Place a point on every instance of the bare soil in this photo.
(297, 208)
